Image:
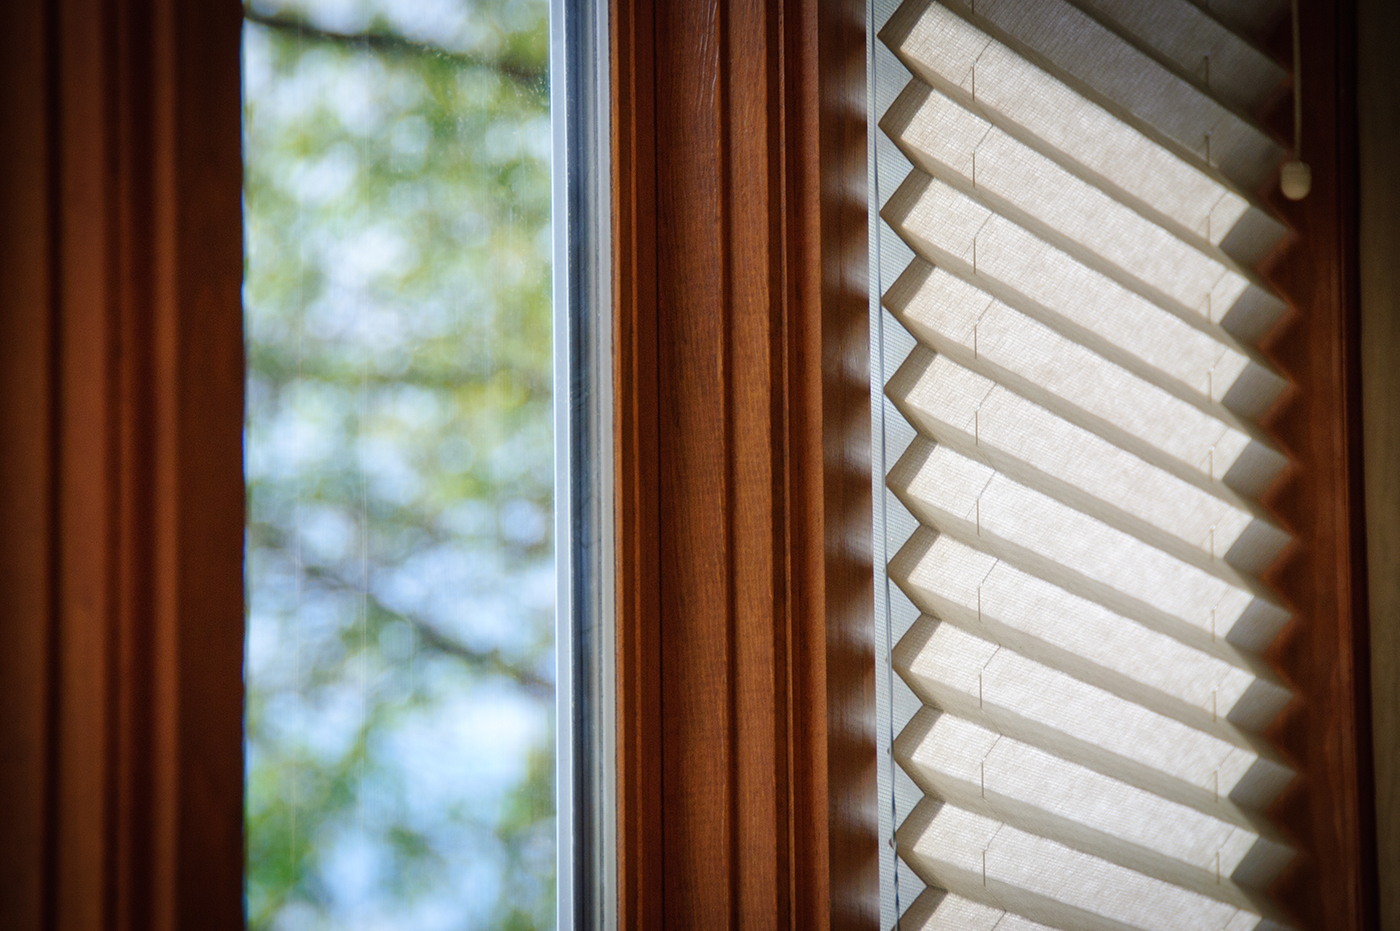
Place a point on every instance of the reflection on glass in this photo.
(400, 465)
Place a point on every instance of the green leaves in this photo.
(400, 466)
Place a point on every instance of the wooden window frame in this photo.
(121, 466)
(1329, 812)
(745, 670)
(746, 725)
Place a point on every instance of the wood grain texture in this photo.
(26, 228)
(1378, 35)
(1324, 652)
(746, 679)
(122, 431)
(638, 583)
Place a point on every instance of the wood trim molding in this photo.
(121, 359)
(1323, 654)
(746, 721)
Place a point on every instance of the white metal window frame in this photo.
(585, 793)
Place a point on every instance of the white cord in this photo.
(1297, 87)
(1295, 179)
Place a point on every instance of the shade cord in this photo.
(1295, 178)
(1297, 86)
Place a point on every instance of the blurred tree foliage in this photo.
(399, 465)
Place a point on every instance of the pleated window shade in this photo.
(1071, 465)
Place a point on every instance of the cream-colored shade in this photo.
(1080, 387)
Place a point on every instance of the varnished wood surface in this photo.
(121, 459)
(638, 775)
(745, 692)
(25, 441)
(1324, 653)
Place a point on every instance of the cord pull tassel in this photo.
(1295, 180)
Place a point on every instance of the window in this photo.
(400, 466)
(734, 173)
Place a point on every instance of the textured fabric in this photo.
(1083, 466)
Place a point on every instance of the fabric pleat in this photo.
(1079, 389)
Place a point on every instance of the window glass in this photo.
(400, 563)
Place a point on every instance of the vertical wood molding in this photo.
(833, 522)
(1378, 78)
(637, 588)
(25, 452)
(746, 748)
(121, 453)
(1324, 652)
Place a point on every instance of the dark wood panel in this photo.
(1323, 653)
(834, 359)
(1378, 91)
(25, 462)
(745, 693)
(638, 586)
(199, 579)
(123, 565)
